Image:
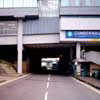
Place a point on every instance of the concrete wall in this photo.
(19, 12)
(39, 39)
(42, 30)
(76, 23)
(8, 40)
(80, 10)
(30, 39)
(93, 56)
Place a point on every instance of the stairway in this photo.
(6, 69)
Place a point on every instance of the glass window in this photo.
(98, 2)
(80, 3)
(18, 3)
(7, 2)
(77, 2)
(65, 3)
(70, 2)
(1, 3)
(88, 3)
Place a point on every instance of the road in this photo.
(47, 87)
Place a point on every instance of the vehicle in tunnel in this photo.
(55, 66)
(47, 59)
(49, 64)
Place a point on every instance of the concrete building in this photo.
(55, 24)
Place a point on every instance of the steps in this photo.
(7, 69)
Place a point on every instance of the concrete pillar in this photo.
(78, 54)
(78, 50)
(20, 46)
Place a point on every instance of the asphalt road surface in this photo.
(47, 87)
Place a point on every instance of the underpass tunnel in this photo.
(37, 53)
(8, 60)
(8, 53)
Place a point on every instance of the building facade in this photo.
(32, 22)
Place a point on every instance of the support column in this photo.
(78, 54)
(20, 46)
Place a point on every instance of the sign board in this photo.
(83, 34)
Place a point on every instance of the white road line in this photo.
(88, 86)
(9, 81)
(46, 95)
(49, 77)
(47, 85)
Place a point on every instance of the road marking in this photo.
(9, 81)
(47, 85)
(49, 77)
(88, 86)
(46, 95)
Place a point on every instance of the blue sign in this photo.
(83, 34)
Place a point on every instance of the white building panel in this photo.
(39, 39)
(67, 23)
(8, 40)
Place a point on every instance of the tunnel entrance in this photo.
(8, 60)
(8, 53)
(39, 54)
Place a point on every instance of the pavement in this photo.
(4, 78)
(47, 87)
(91, 81)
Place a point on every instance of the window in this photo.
(18, 3)
(65, 3)
(88, 3)
(1, 3)
(77, 2)
(70, 3)
(92, 2)
(98, 2)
